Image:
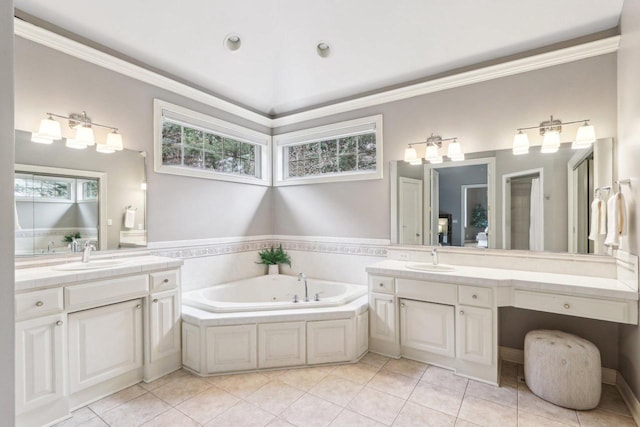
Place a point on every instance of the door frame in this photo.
(401, 180)
(506, 197)
(463, 205)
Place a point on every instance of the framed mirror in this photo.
(64, 195)
(494, 199)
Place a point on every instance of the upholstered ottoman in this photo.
(563, 369)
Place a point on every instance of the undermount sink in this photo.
(91, 265)
(425, 266)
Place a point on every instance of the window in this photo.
(42, 188)
(193, 144)
(339, 152)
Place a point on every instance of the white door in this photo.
(435, 206)
(427, 327)
(39, 362)
(164, 324)
(382, 317)
(281, 344)
(474, 334)
(410, 211)
(104, 343)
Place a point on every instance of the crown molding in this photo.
(535, 62)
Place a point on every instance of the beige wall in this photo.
(628, 161)
(7, 402)
(483, 116)
(179, 207)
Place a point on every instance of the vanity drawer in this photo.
(39, 303)
(423, 290)
(382, 284)
(474, 295)
(164, 280)
(615, 311)
(104, 292)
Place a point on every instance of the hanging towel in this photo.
(130, 218)
(616, 219)
(598, 219)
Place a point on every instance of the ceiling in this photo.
(374, 43)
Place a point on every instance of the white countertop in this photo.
(515, 279)
(45, 276)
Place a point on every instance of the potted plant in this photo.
(273, 257)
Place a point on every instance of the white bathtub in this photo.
(271, 292)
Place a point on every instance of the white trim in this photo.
(331, 131)
(173, 244)
(540, 172)
(324, 239)
(162, 108)
(102, 192)
(629, 398)
(535, 62)
(523, 65)
(464, 206)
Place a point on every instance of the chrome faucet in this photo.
(303, 276)
(51, 247)
(86, 253)
(434, 256)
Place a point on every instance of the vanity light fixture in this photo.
(432, 155)
(550, 131)
(50, 130)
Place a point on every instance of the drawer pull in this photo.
(165, 281)
(461, 312)
(59, 323)
(39, 304)
(567, 306)
(155, 300)
(474, 296)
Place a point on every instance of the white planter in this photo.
(274, 269)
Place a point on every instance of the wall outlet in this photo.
(109, 221)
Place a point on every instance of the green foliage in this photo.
(479, 217)
(71, 236)
(273, 256)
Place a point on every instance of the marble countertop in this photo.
(45, 276)
(512, 279)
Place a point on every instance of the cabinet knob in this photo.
(165, 281)
(461, 312)
(59, 323)
(138, 306)
(401, 304)
(39, 304)
(474, 296)
(381, 285)
(567, 306)
(155, 300)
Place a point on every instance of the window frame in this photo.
(196, 120)
(323, 133)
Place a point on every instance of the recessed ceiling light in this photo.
(232, 42)
(323, 49)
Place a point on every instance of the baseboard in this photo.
(630, 399)
(514, 355)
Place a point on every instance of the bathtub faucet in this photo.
(301, 277)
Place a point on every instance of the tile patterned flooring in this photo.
(377, 391)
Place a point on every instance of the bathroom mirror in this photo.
(62, 194)
(494, 199)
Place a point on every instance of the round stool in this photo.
(563, 369)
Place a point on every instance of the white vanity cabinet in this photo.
(474, 334)
(427, 327)
(383, 314)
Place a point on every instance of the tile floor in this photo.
(375, 392)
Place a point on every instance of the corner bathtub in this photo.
(253, 324)
(271, 292)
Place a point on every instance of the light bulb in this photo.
(520, 143)
(551, 142)
(454, 150)
(431, 153)
(50, 128)
(114, 141)
(84, 134)
(585, 136)
(410, 154)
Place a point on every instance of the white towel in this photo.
(130, 218)
(616, 219)
(598, 219)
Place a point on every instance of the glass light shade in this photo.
(415, 162)
(50, 128)
(431, 153)
(410, 154)
(585, 136)
(551, 142)
(436, 160)
(104, 148)
(520, 143)
(454, 150)
(114, 141)
(40, 139)
(78, 145)
(84, 134)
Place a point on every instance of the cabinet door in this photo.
(231, 348)
(164, 325)
(104, 343)
(39, 362)
(474, 334)
(382, 317)
(330, 341)
(427, 327)
(362, 333)
(281, 344)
